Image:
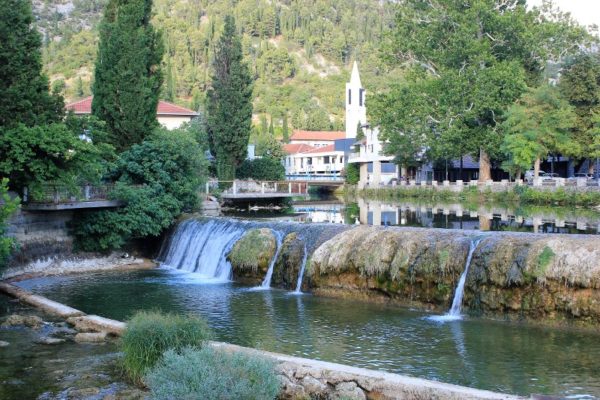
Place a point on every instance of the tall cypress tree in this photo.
(128, 76)
(24, 95)
(229, 103)
(285, 131)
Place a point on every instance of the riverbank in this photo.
(564, 196)
(303, 377)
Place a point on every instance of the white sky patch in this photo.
(586, 12)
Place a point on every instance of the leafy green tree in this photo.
(33, 156)
(268, 146)
(469, 61)
(538, 124)
(285, 133)
(9, 206)
(157, 180)
(229, 103)
(24, 97)
(128, 76)
(580, 83)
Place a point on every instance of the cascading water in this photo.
(301, 275)
(454, 313)
(201, 248)
(266, 283)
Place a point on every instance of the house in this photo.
(303, 159)
(169, 115)
(316, 138)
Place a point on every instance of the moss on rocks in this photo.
(251, 255)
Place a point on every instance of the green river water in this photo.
(493, 355)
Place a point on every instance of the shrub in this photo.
(263, 169)
(213, 374)
(150, 334)
(352, 174)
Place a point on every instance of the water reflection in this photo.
(451, 216)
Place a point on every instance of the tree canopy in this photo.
(229, 103)
(24, 96)
(467, 63)
(128, 76)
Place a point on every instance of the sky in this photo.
(586, 12)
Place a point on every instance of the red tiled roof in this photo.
(318, 135)
(164, 108)
(325, 149)
(297, 148)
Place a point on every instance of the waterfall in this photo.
(266, 283)
(454, 313)
(301, 275)
(201, 248)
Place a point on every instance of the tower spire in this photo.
(355, 77)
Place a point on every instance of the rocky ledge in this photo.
(550, 278)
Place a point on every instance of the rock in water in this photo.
(31, 321)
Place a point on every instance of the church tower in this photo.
(356, 109)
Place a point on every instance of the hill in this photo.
(299, 50)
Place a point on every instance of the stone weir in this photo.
(552, 278)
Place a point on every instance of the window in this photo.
(326, 160)
(360, 96)
(309, 161)
(349, 96)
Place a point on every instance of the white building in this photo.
(303, 159)
(316, 138)
(169, 115)
(375, 168)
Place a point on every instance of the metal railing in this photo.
(57, 194)
(239, 187)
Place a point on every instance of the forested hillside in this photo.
(299, 50)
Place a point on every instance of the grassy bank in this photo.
(520, 194)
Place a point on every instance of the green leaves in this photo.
(128, 77)
(50, 153)
(229, 103)
(537, 125)
(8, 206)
(157, 180)
(24, 97)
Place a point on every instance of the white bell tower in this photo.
(356, 109)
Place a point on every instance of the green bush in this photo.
(8, 206)
(352, 174)
(213, 374)
(262, 169)
(150, 334)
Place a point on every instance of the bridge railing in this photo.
(57, 194)
(237, 187)
(315, 177)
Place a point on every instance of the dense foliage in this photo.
(468, 62)
(580, 84)
(157, 180)
(213, 374)
(262, 169)
(8, 206)
(537, 125)
(24, 97)
(298, 50)
(128, 77)
(33, 156)
(229, 103)
(352, 174)
(150, 334)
